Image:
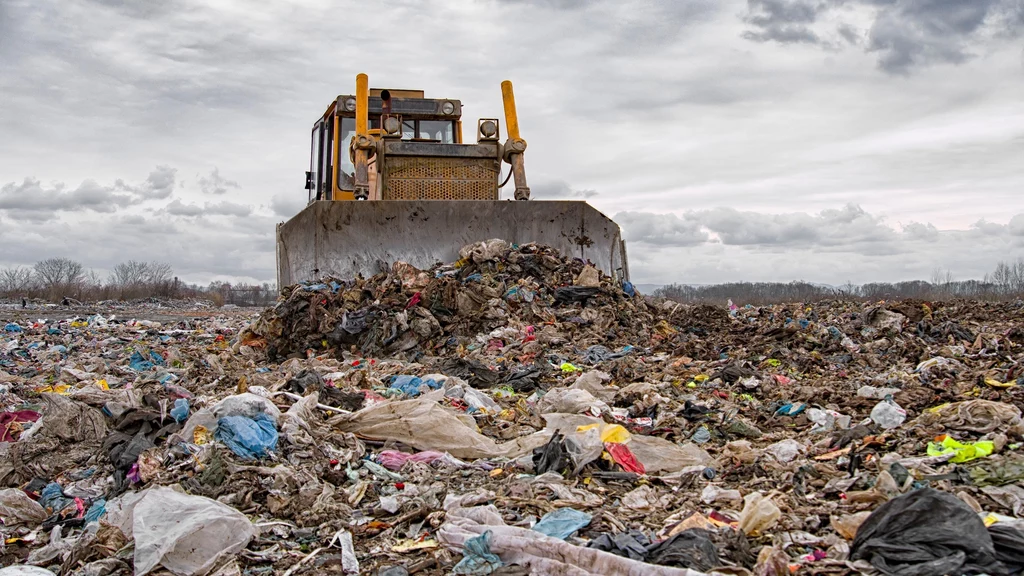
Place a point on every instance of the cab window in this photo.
(440, 130)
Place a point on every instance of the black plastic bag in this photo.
(305, 383)
(1009, 545)
(570, 294)
(691, 548)
(926, 533)
(632, 544)
(551, 457)
(476, 374)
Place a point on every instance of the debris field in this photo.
(515, 412)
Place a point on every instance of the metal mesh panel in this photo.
(428, 178)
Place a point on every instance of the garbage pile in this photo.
(516, 412)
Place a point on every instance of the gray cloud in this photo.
(783, 21)
(556, 190)
(660, 229)
(33, 201)
(906, 34)
(915, 33)
(556, 4)
(225, 208)
(215, 183)
(845, 227)
(159, 185)
(831, 246)
(1016, 225)
(287, 205)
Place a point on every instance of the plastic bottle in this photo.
(712, 494)
(888, 414)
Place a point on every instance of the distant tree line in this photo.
(60, 279)
(1006, 282)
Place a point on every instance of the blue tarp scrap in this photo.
(410, 385)
(249, 438)
(138, 361)
(180, 410)
(562, 523)
(478, 560)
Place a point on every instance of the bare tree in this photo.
(59, 276)
(16, 281)
(941, 276)
(129, 275)
(158, 273)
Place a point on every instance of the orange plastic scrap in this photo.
(833, 454)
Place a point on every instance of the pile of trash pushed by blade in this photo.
(514, 412)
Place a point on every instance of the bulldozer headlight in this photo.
(350, 104)
(392, 125)
(448, 108)
(489, 129)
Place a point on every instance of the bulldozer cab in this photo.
(413, 146)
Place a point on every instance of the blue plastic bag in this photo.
(562, 523)
(180, 410)
(12, 328)
(410, 385)
(96, 511)
(791, 409)
(477, 557)
(139, 363)
(628, 288)
(249, 438)
(53, 499)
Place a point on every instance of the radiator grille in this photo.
(427, 178)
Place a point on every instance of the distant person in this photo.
(24, 303)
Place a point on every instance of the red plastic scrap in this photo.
(9, 423)
(413, 301)
(622, 456)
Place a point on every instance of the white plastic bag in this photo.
(25, 571)
(569, 401)
(16, 507)
(425, 425)
(185, 534)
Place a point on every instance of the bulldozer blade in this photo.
(346, 239)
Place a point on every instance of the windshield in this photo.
(437, 130)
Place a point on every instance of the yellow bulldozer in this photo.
(391, 179)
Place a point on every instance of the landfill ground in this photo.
(515, 412)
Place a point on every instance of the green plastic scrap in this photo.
(381, 472)
(1009, 471)
(963, 452)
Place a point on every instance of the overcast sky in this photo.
(823, 140)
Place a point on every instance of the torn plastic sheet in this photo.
(539, 553)
(425, 425)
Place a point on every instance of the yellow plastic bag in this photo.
(609, 432)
